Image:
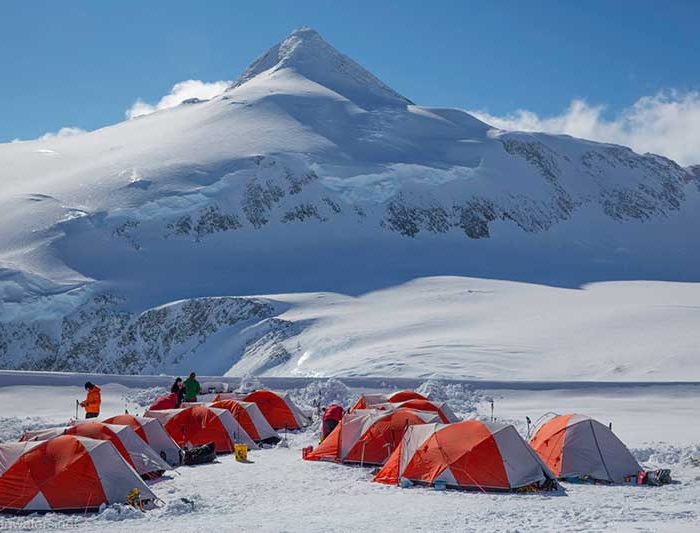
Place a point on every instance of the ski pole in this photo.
(77, 403)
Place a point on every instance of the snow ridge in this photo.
(305, 52)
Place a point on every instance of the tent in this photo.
(198, 425)
(368, 436)
(135, 451)
(404, 395)
(230, 396)
(379, 401)
(576, 446)
(368, 401)
(250, 417)
(67, 474)
(470, 455)
(152, 433)
(442, 409)
(169, 401)
(279, 410)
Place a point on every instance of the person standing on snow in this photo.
(91, 404)
(192, 388)
(179, 390)
(332, 415)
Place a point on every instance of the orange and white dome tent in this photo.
(132, 448)
(380, 401)
(441, 409)
(368, 401)
(405, 395)
(199, 425)
(368, 436)
(249, 415)
(469, 455)
(577, 446)
(152, 433)
(278, 409)
(65, 474)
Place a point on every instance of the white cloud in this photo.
(68, 131)
(667, 124)
(180, 92)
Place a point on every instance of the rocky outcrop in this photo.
(99, 337)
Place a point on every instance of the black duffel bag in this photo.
(199, 455)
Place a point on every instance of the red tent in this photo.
(135, 451)
(368, 401)
(470, 455)
(443, 410)
(250, 417)
(379, 401)
(164, 402)
(65, 474)
(198, 425)
(368, 436)
(404, 395)
(152, 433)
(278, 409)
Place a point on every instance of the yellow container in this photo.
(240, 451)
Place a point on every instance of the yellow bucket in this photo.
(240, 451)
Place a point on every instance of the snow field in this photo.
(278, 491)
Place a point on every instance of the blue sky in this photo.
(83, 63)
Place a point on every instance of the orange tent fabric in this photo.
(404, 395)
(577, 446)
(152, 432)
(250, 417)
(198, 425)
(130, 446)
(131, 421)
(380, 401)
(548, 442)
(279, 410)
(443, 411)
(368, 436)
(66, 474)
(467, 455)
(368, 401)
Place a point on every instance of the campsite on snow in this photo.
(381, 316)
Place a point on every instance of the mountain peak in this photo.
(306, 53)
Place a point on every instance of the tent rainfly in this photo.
(579, 447)
(65, 474)
(468, 455)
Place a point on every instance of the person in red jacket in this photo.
(331, 418)
(92, 402)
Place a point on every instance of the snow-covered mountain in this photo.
(307, 174)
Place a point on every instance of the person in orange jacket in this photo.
(92, 402)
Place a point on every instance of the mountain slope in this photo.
(310, 174)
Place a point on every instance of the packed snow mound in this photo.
(463, 399)
(319, 394)
(658, 454)
(307, 54)
(13, 427)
